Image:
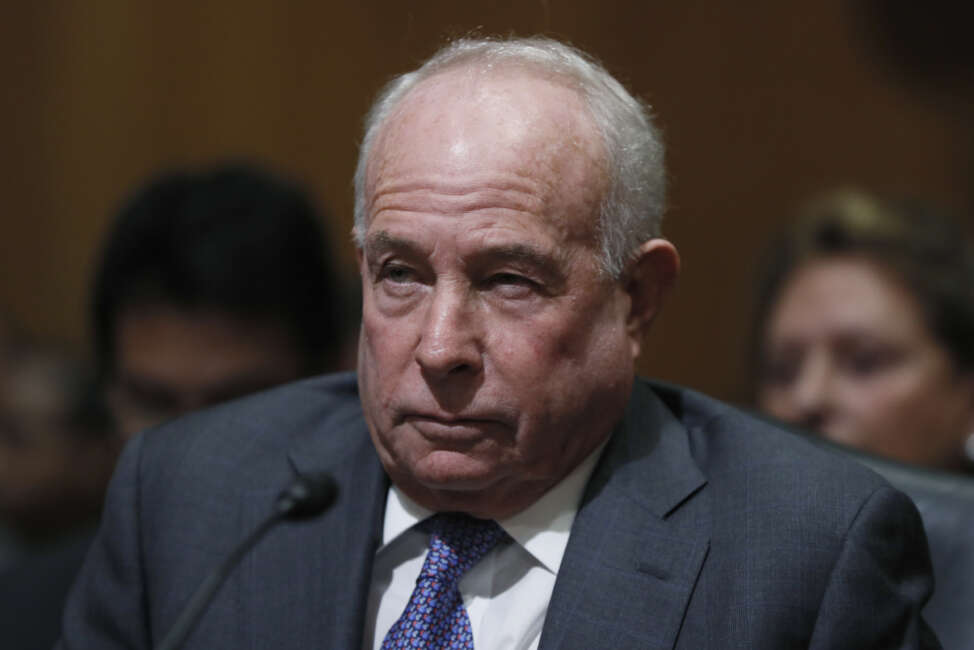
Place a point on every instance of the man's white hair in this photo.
(633, 207)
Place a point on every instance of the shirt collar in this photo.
(542, 528)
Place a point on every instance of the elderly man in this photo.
(505, 481)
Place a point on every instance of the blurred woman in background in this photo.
(866, 330)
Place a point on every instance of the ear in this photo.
(967, 441)
(647, 279)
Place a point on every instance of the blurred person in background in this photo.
(210, 286)
(57, 451)
(866, 329)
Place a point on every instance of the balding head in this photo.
(631, 207)
(465, 124)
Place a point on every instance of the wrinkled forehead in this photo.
(470, 121)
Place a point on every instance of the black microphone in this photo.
(303, 499)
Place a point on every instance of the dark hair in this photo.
(929, 252)
(234, 239)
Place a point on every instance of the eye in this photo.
(509, 278)
(870, 361)
(397, 273)
(512, 285)
(397, 280)
(780, 370)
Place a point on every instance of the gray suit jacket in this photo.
(700, 528)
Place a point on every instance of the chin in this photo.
(455, 471)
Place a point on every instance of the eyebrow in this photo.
(519, 253)
(382, 242)
(548, 267)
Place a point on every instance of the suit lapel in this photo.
(321, 569)
(638, 541)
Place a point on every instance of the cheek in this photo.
(778, 402)
(533, 352)
(384, 342)
(374, 361)
(599, 346)
(900, 402)
(917, 421)
(905, 389)
(552, 367)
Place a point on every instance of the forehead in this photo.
(846, 293)
(469, 130)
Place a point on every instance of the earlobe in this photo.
(648, 279)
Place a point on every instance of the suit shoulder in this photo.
(732, 445)
(256, 430)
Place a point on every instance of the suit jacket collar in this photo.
(638, 541)
(636, 548)
(649, 455)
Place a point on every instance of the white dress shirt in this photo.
(506, 594)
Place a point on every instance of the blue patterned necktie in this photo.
(435, 617)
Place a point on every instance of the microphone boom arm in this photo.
(302, 499)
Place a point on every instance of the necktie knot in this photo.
(457, 542)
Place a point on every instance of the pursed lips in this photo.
(454, 428)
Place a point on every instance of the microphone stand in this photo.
(303, 499)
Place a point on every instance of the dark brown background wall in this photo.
(762, 103)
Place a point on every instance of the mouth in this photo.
(449, 429)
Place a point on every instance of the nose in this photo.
(450, 343)
(812, 393)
